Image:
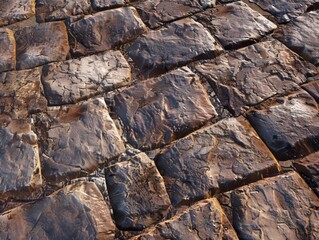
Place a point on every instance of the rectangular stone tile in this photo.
(223, 156)
(105, 30)
(157, 111)
(288, 125)
(7, 50)
(77, 79)
(313, 89)
(235, 25)
(41, 44)
(105, 4)
(251, 75)
(175, 45)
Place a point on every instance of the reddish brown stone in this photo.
(7, 50)
(313, 89)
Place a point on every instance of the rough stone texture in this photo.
(301, 35)
(21, 92)
(137, 193)
(288, 125)
(76, 79)
(309, 168)
(19, 157)
(179, 43)
(41, 44)
(251, 75)
(104, 4)
(79, 139)
(155, 13)
(105, 30)
(282, 207)
(52, 10)
(77, 211)
(235, 25)
(7, 50)
(15, 10)
(218, 158)
(204, 220)
(313, 89)
(159, 110)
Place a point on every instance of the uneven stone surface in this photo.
(52, 10)
(75, 212)
(41, 44)
(105, 30)
(301, 36)
(7, 50)
(214, 159)
(253, 74)
(76, 79)
(104, 4)
(179, 43)
(235, 25)
(14, 11)
(282, 207)
(79, 140)
(204, 220)
(137, 193)
(159, 110)
(21, 92)
(288, 125)
(313, 89)
(19, 157)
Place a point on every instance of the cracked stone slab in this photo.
(19, 172)
(313, 89)
(137, 193)
(288, 125)
(203, 220)
(105, 30)
(282, 207)
(53, 10)
(16, 10)
(176, 45)
(105, 4)
(156, 13)
(21, 92)
(159, 110)
(41, 44)
(77, 211)
(251, 75)
(77, 79)
(301, 35)
(7, 50)
(218, 158)
(77, 140)
(235, 25)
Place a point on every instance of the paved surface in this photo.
(163, 119)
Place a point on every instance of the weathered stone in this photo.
(282, 207)
(176, 45)
(235, 25)
(159, 110)
(105, 30)
(15, 10)
(19, 157)
(288, 125)
(76, 79)
(41, 44)
(137, 193)
(105, 4)
(218, 158)
(204, 220)
(156, 13)
(21, 92)
(301, 35)
(76, 212)
(313, 89)
(251, 75)
(79, 140)
(52, 10)
(309, 168)
(7, 50)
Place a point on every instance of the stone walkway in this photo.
(159, 119)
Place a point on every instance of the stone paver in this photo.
(177, 44)
(159, 110)
(76, 79)
(214, 159)
(313, 89)
(105, 4)
(7, 50)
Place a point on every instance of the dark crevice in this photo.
(313, 7)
